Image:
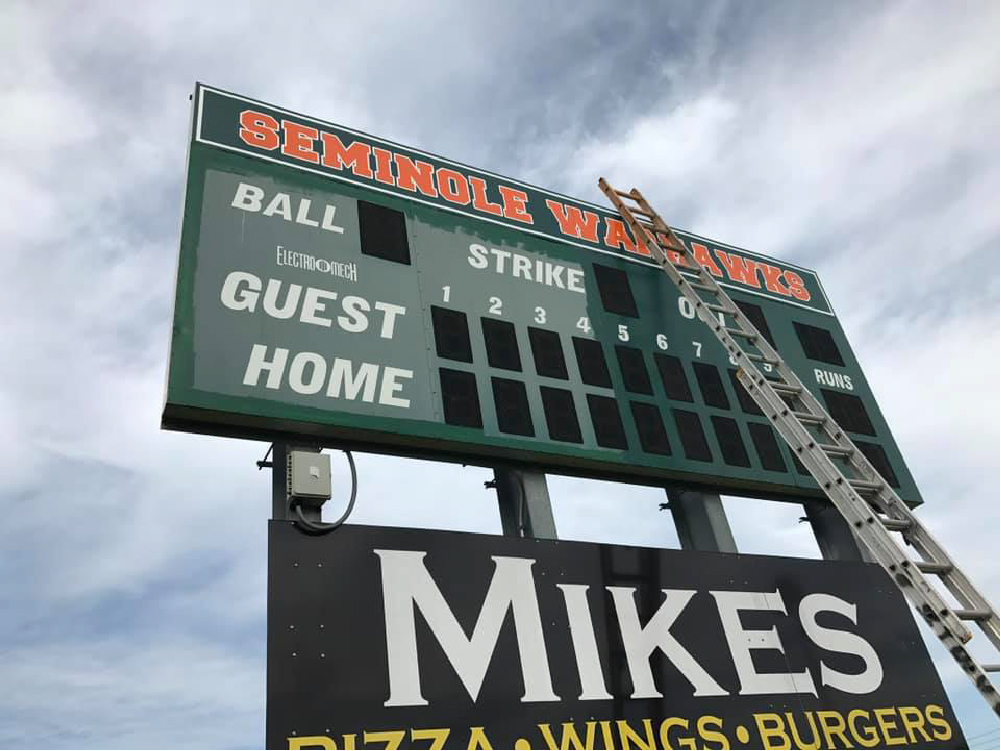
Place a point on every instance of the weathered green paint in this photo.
(211, 343)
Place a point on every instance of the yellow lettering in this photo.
(913, 719)
(627, 735)
(712, 736)
(478, 739)
(797, 740)
(886, 726)
(770, 726)
(437, 736)
(674, 722)
(835, 729)
(569, 737)
(871, 737)
(936, 718)
(392, 738)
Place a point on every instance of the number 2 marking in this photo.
(495, 306)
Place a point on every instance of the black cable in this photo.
(319, 528)
(522, 503)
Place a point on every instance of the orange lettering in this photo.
(705, 259)
(383, 166)
(617, 237)
(480, 202)
(299, 140)
(259, 130)
(771, 275)
(453, 186)
(796, 286)
(574, 223)
(339, 156)
(738, 269)
(419, 174)
(514, 204)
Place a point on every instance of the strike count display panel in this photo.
(353, 314)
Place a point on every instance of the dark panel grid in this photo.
(672, 375)
(607, 422)
(650, 427)
(746, 402)
(383, 232)
(693, 439)
(635, 376)
(451, 334)
(502, 344)
(460, 398)
(756, 316)
(548, 353)
(711, 385)
(877, 457)
(511, 405)
(848, 411)
(591, 363)
(818, 344)
(561, 416)
(730, 443)
(616, 294)
(767, 446)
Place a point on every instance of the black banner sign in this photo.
(400, 638)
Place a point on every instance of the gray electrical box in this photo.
(310, 476)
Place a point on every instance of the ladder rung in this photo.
(829, 448)
(991, 667)
(626, 195)
(641, 211)
(720, 308)
(740, 332)
(894, 525)
(703, 287)
(933, 567)
(973, 615)
(809, 417)
(783, 388)
(867, 485)
(760, 358)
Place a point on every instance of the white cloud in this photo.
(864, 144)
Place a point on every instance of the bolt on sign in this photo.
(455, 640)
(336, 287)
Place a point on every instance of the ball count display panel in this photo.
(341, 289)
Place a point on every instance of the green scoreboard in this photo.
(340, 289)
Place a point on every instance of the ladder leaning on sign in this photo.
(861, 495)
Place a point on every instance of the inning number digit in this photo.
(445, 292)
(540, 314)
(495, 306)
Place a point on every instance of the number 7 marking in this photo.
(698, 348)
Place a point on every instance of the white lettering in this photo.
(585, 647)
(407, 586)
(640, 641)
(236, 299)
(836, 640)
(257, 364)
(742, 641)
(248, 197)
(391, 385)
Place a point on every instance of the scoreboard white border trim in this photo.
(202, 88)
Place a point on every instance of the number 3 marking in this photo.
(540, 315)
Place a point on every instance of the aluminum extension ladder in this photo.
(866, 501)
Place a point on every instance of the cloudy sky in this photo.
(859, 139)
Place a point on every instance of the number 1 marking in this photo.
(444, 293)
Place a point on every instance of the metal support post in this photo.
(279, 482)
(834, 536)
(701, 521)
(525, 508)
